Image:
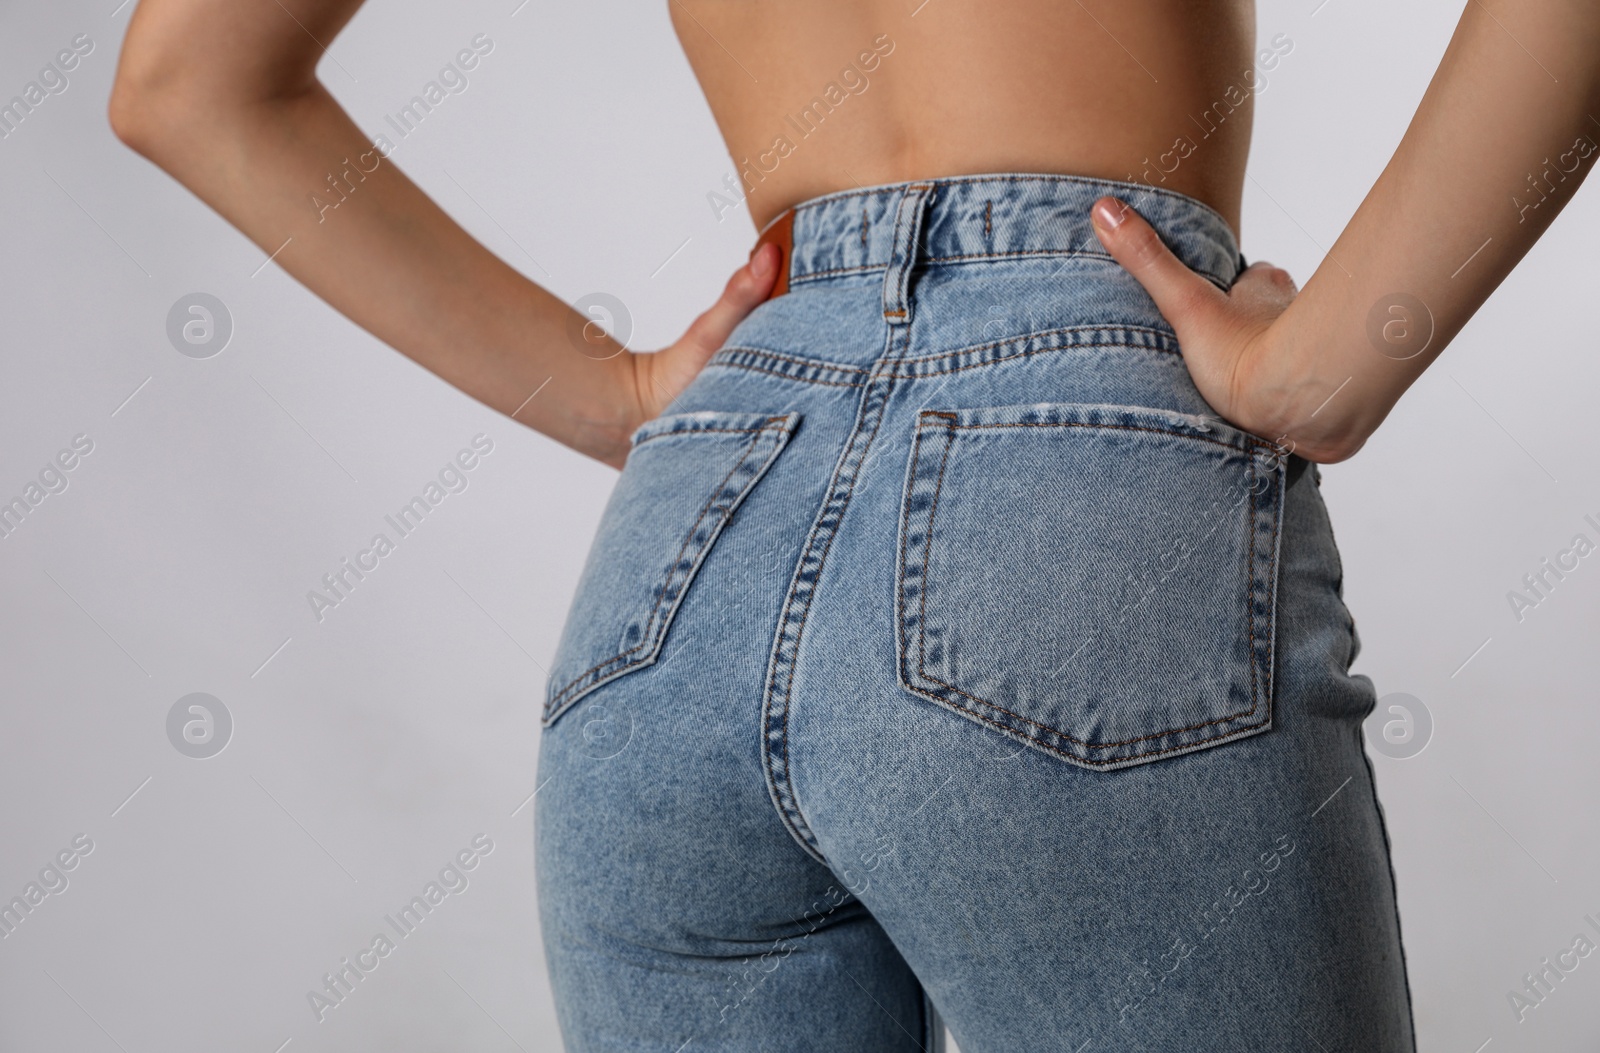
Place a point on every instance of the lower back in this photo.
(817, 97)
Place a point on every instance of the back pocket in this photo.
(684, 477)
(1097, 581)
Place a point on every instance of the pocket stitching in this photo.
(922, 611)
(770, 421)
(953, 424)
(578, 682)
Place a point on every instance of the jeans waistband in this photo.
(986, 217)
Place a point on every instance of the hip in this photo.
(978, 432)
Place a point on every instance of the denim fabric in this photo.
(943, 658)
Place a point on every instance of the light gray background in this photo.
(371, 747)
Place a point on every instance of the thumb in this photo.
(744, 292)
(663, 375)
(1184, 298)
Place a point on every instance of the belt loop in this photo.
(907, 239)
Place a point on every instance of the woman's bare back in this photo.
(827, 95)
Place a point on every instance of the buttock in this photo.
(942, 653)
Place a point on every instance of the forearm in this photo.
(1504, 136)
(296, 175)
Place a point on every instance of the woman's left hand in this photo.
(1227, 338)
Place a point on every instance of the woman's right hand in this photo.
(663, 375)
(244, 124)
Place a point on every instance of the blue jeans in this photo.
(943, 658)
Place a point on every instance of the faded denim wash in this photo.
(944, 659)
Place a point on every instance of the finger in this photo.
(1183, 297)
(745, 291)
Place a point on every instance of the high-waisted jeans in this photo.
(944, 659)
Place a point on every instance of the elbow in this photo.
(1333, 438)
(144, 104)
(158, 76)
(1331, 454)
(169, 97)
(143, 76)
(159, 106)
(1331, 449)
(130, 118)
(171, 124)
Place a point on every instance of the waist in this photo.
(1002, 272)
(983, 295)
(971, 219)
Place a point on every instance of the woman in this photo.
(964, 640)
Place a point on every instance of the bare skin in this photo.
(1502, 139)
(966, 87)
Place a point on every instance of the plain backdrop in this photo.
(367, 749)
